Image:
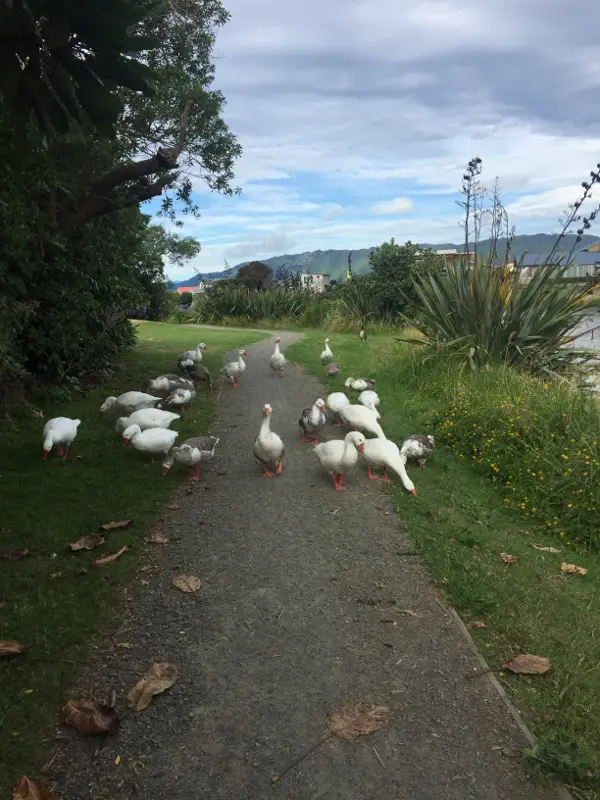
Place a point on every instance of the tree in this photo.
(255, 275)
(185, 299)
(61, 58)
(393, 269)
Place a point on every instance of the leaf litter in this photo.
(27, 789)
(572, 569)
(10, 647)
(545, 549)
(158, 679)
(87, 542)
(112, 526)
(508, 559)
(528, 664)
(187, 583)
(90, 719)
(16, 554)
(108, 558)
(350, 722)
(156, 537)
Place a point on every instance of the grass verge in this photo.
(460, 525)
(44, 603)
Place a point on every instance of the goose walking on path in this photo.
(277, 361)
(152, 440)
(59, 432)
(193, 355)
(129, 402)
(335, 402)
(362, 419)
(384, 453)
(327, 354)
(147, 418)
(337, 457)
(192, 454)
(234, 369)
(417, 449)
(268, 447)
(312, 420)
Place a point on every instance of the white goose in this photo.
(179, 398)
(362, 419)
(60, 431)
(277, 361)
(152, 440)
(235, 368)
(129, 402)
(384, 453)
(193, 355)
(312, 420)
(337, 457)
(359, 384)
(146, 418)
(192, 453)
(327, 354)
(268, 447)
(167, 383)
(370, 399)
(417, 449)
(335, 402)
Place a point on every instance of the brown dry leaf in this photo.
(476, 623)
(110, 557)
(358, 720)
(90, 718)
(528, 664)
(156, 537)
(111, 526)
(572, 569)
(9, 647)
(508, 559)
(31, 790)
(14, 555)
(87, 542)
(187, 583)
(173, 506)
(380, 584)
(159, 678)
(545, 549)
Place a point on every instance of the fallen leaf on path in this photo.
(572, 569)
(159, 678)
(476, 623)
(380, 584)
(172, 506)
(90, 719)
(111, 526)
(508, 559)
(408, 611)
(14, 555)
(31, 790)
(545, 549)
(87, 542)
(527, 664)
(155, 537)
(187, 583)
(358, 720)
(10, 647)
(110, 557)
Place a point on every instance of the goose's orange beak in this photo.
(125, 442)
(165, 470)
(361, 447)
(413, 492)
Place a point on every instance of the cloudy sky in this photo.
(357, 119)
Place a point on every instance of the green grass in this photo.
(44, 604)
(460, 525)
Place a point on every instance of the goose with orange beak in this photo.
(340, 456)
(268, 447)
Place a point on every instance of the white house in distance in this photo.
(201, 287)
(317, 282)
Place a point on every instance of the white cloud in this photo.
(399, 205)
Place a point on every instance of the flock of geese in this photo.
(144, 422)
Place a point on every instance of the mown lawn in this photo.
(44, 603)
(461, 526)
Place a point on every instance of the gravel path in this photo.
(310, 599)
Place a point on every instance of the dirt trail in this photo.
(310, 598)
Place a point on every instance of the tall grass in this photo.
(482, 315)
(247, 306)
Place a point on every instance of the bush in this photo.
(539, 441)
(250, 305)
(481, 315)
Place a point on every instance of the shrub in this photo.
(250, 305)
(481, 315)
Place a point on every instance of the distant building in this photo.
(453, 257)
(201, 287)
(318, 282)
(583, 264)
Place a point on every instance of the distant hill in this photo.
(335, 262)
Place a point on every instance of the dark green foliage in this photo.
(255, 275)
(185, 299)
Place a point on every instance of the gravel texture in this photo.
(311, 598)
